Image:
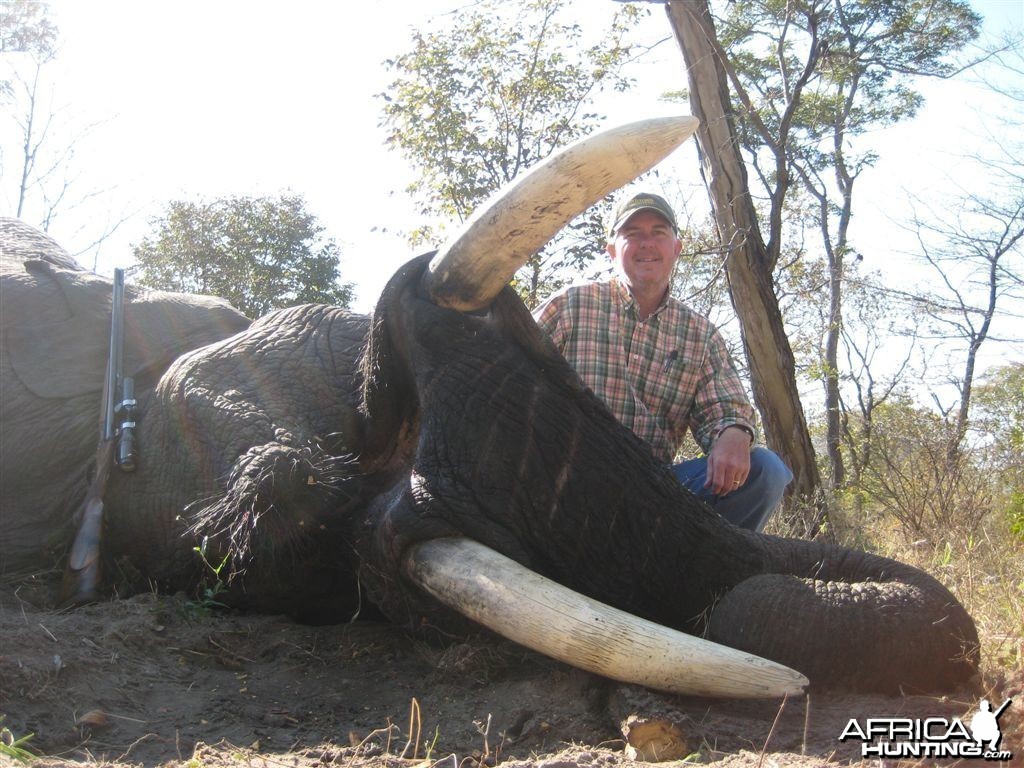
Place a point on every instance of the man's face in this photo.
(644, 251)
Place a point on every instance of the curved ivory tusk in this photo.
(472, 267)
(534, 611)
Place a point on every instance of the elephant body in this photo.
(246, 444)
(54, 344)
(312, 450)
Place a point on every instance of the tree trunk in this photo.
(749, 268)
(833, 409)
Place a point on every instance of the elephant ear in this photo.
(61, 351)
(65, 354)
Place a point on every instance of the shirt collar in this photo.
(628, 303)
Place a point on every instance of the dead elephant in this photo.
(416, 457)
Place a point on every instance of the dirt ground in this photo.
(154, 680)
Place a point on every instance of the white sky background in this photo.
(203, 99)
(207, 99)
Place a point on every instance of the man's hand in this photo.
(729, 461)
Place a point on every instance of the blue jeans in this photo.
(750, 505)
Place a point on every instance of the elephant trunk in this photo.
(849, 619)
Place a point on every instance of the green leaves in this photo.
(815, 69)
(12, 747)
(475, 104)
(259, 253)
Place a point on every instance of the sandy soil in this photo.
(151, 680)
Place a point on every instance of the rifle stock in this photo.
(83, 575)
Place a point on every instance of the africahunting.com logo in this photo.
(931, 736)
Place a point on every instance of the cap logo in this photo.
(642, 201)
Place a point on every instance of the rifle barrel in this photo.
(115, 358)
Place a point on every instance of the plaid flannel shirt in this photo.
(660, 376)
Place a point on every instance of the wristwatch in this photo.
(744, 427)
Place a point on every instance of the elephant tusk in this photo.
(547, 617)
(473, 266)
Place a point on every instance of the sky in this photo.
(199, 99)
(207, 99)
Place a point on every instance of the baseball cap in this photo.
(642, 201)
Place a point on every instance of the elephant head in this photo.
(443, 461)
(53, 358)
(513, 452)
(503, 445)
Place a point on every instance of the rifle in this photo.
(82, 575)
(998, 712)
